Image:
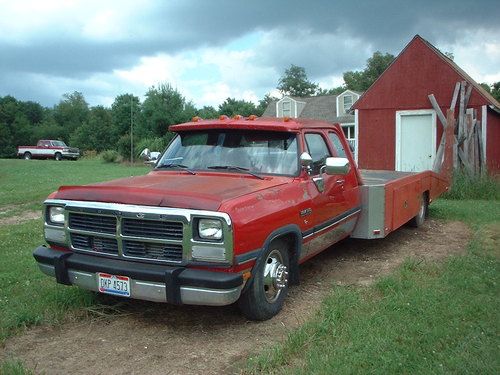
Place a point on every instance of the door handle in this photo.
(340, 181)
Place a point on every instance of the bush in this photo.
(111, 156)
(463, 186)
(89, 154)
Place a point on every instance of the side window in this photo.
(318, 151)
(337, 144)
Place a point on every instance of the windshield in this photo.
(260, 152)
(58, 144)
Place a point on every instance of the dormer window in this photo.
(347, 103)
(287, 109)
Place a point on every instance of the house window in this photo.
(349, 134)
(347, 103)
(287, 109)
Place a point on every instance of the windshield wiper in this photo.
(179, 166)
(235, 168)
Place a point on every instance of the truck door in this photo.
(327, 200)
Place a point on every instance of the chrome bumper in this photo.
(154, 291)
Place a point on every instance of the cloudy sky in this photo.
(211, 50)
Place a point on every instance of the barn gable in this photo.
(401, 94)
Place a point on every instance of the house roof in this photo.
(317, 107)
(481, 91)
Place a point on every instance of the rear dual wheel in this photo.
(264, 297)
(419, 219)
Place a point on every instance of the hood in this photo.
(203, 191)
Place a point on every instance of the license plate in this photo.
(113, 284)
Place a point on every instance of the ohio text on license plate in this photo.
(113, 284)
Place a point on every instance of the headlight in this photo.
(65, 149)
(56, 215)
(210, 229)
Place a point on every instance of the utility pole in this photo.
(131, 134)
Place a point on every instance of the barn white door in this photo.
(415, 140)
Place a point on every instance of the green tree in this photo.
(294, 82)
(333, 91)
(125, 109)
(7, 148)
(97, 133)
(375, 66)
(495, 90)
(231, 107)
(163, 106)
(33, 111)
(207, 112)
(71, 112)
(48, 129)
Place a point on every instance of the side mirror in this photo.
(145, 154)
(337, 166)
(305, 160)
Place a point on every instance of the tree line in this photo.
(98, 128)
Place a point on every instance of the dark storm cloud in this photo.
(311, 34)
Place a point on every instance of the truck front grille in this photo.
(122, 236)
(154, 251)
(153, 229)
(92, 223)
(93, 243)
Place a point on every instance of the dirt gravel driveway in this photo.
(162, 339)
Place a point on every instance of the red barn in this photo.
(396, 127)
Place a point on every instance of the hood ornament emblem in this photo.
(140, 216)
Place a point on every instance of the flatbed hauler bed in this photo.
(391, 199)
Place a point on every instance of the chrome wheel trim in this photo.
(275, 276)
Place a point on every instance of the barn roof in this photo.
(481, 91)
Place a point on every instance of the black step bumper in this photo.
(153, 282)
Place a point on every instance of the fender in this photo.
(294, 257)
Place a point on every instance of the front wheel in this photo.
(58, 156)
(27, 156)
(265, 295)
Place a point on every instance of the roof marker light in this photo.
(196, 119)
(237, 117)
(252, 117)
(286, 119)
(223, 117)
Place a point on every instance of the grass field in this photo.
(426, 318)
(27, 297)
(27, 183)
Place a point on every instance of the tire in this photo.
(419, 219)
(58, 156)
(27, 156)
(264, 297)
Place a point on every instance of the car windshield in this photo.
(258, 152)
(58, 144)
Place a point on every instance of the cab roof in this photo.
(254, 123)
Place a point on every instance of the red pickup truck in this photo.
(230, 211)
(48, 149)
